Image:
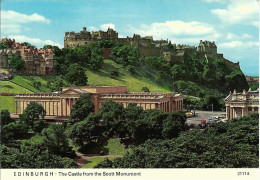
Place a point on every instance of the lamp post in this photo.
(212, 112)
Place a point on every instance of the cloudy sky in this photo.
(232, 24)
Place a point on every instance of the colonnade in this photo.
(234, 112)
(55, 107)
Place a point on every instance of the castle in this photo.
(37, 61)
(148, 46)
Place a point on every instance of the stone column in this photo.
(231, 113)
(66, 107)
(227, 112)
(53, 113)
(243, 113)
(15, 107)
(49, 107)
(70, 104)
(61, 107)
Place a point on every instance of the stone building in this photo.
(58, 105)
(208, 48)
(241, 104)
(37, 61)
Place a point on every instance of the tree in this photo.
(5, 117)
(56, 139)
(226, 145)
(47, 47)
(76, 75)
(111, 113)
(28, 44)
(106, 163)
(87, 134)
(105, 44)
(17, 64)
(114, 73)
(36, 154)
(37, 84)
(32, 113)
(145, 89)
(174, 125)
(2, 46)
(38, 125)
(82, 108)
(13, 131)
(154, 119)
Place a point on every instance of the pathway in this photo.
(82, 159)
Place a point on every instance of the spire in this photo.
(235, 91)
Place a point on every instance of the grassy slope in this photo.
(27, 81)
(7, 102)
(134, 83)
(9, 87)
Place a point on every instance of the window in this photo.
(249, 108)
(256, 109)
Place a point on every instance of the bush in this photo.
(38, 125)
(114, 73)
(145, 89)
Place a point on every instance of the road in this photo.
(203, 115)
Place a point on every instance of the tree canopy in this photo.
(226, 145)
(17, 64)
(32, 113)
(82, 108)
(76, 75)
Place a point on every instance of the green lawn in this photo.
(115, 147)
(7, 102)
(93, 161)
(9, 87)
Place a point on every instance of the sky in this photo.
(232, 24)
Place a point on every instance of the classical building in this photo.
(37, 61)
(58, 105)
(242, 104)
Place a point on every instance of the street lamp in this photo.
(212, 112)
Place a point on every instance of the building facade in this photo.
(241, 104)
(58, 105)
(37, 61)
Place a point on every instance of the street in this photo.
(203, 115)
